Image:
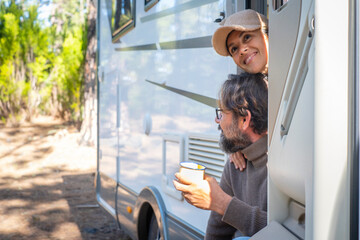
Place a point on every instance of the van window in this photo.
(279, 3)
(149, 4)
(122, 18)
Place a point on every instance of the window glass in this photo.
(279, 3)
(260, 6)
(122, 17)
(150, 3)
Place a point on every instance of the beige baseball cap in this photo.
(246, 20)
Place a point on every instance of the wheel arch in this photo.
(150, 202)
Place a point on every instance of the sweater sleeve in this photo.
(216, 228)
(239, 215)
(242, 216)
(248, 219)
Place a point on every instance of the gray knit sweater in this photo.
(247, 210)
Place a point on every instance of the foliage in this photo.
(41, 61)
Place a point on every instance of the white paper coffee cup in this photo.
(192, 171)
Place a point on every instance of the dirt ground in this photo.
(47, 185)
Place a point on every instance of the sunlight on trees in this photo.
(41, 65)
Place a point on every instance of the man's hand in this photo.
(205, 194)
(238, 160)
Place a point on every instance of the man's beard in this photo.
(239, 141)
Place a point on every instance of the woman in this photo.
(243, 36)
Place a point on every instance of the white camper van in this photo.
(158, 80)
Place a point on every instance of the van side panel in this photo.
(158, 87)
(331, 166)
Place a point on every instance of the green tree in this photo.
(68, 44)
(41, 68)
(9, 49)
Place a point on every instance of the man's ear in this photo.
(244, 122)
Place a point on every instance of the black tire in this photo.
(154, 231)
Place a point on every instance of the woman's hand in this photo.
(238, 160)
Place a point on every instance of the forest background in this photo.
(47, 65)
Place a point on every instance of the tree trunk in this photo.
(88, 130)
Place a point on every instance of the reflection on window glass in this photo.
(150, 3)
(279, 3)
(123, 17)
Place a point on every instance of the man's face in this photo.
(232, 138)
(249, 50)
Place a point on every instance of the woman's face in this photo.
(249, 50)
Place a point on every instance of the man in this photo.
(240, 201)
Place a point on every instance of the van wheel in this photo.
(154, 231)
